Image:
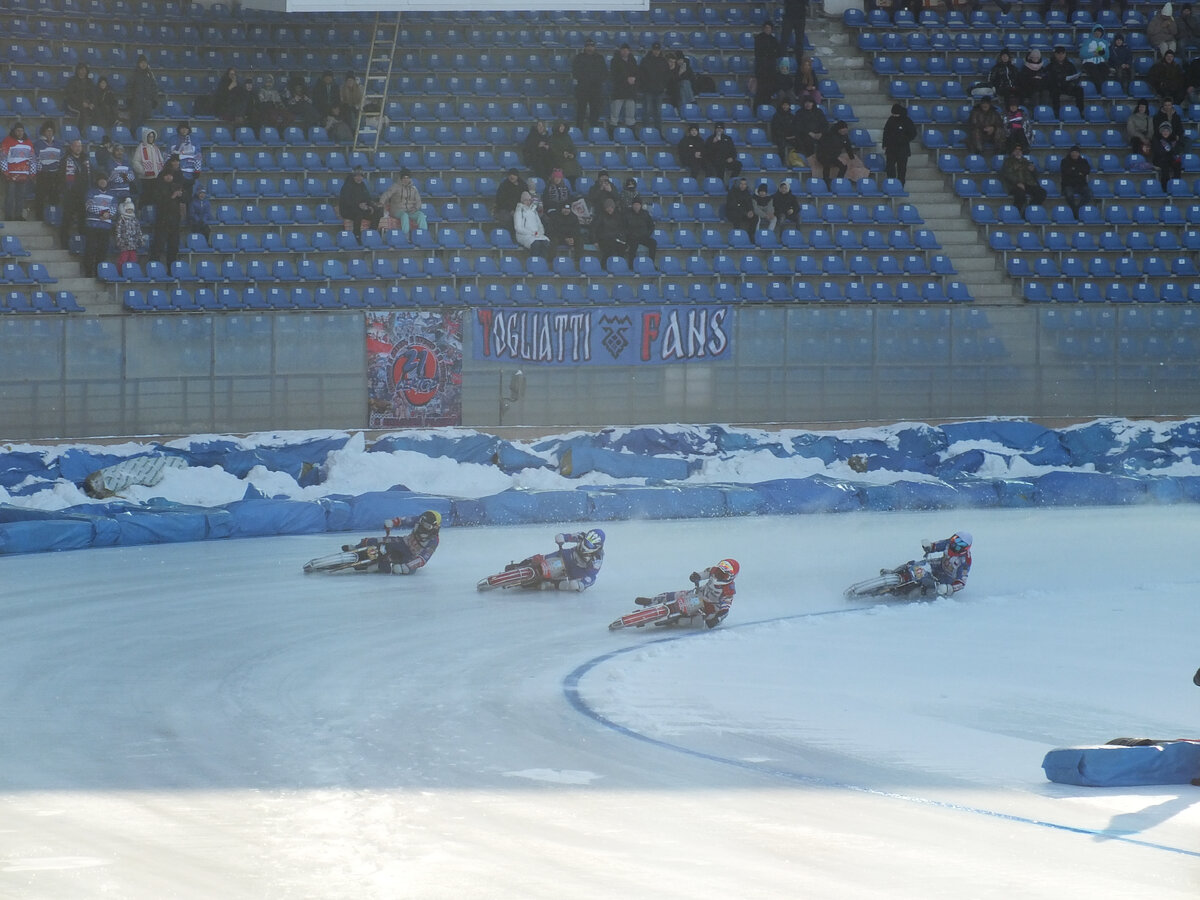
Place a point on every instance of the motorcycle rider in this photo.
(713, 588)
(948, 574)
(580, 563)
(402, 554)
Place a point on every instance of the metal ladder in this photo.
(377, 80)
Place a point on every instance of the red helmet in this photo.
(725, 571)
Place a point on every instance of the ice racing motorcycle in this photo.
(532, 573)
(684, 605)
(909, 581)
(358, 559)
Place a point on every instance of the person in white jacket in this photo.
(528, 228)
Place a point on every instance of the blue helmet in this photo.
(590, 544)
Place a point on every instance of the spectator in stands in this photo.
(609, 232)
(1017, 127)
(639, 230)
(168, 214)
(147, 164)
(602, 190)
(783, 130)
(527, 227)
(355, 206)
(1139, 127)
(1188, 39)
(1032, 81)
(227, 86)
(49, 151)
(336, 127)
(299, 104)
(628, 192)
(899, 131)
(791, 29)
(537, 154)
(1167, 78)
(623, 90)
(767, 52)
(350, 96)
(1005, 78)
(652, 83)
(739, 207)
(79, 97)
(121, 177)
(1167, 155)
(690, 151)
(681, 80)
(127, 233)
(561, 223)
(401, 201)
(143, 94)
(1141, 160)
(720, 155)
(834, 152)
(108, 105)
(1074, 171)
(985, 128)
(1162, 32)
(1019, 176)
(563, 154)
(786, 205)
(806, 84)
(764, 208)
(75, 182)
(325, 93)
(1064, 80)
(1168, 114)
(1192, 77)
(811, 124)
(1120, 61)
(199, 213)
(242, 108)
(1093, 54)
(271, 109)
(590, 73)
(508, 196)
(101, 209)
(191, 157)
(18, 165)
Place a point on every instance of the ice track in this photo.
(203, 720)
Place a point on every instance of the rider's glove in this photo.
(695, 578)
(927, 545)
(712, 621)
(570, 584)
(402, 569)
(945, 590)
(547, 586)
(560, 539)
(389, 524)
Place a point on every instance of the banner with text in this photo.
(414, 369)
(603, 336)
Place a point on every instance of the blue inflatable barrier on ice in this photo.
(369, 511)
(1088, 489)
(580, 459)
(260, 518)
(1119, 765)
(910, 495)
(815, 494)
(37, 535)
(524, 507)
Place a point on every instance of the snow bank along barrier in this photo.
(1108, 462)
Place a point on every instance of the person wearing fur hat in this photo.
(527, 227)
(1032, 80)
(128, 234)
(1162, 31)
(899, 131)
(18, 164)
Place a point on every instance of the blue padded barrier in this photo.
(262, 517)
(815, 494)
(1117, 765)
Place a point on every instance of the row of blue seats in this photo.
(20, 273)
(1021, 17)
(1006, 215)
(1145, 350)
(989, 41)
(1105, 319)
(1100, 267)
(1061, 139)
(955, 89)
(485, 266)
(1064, 291)
(39, 302)
(1103, 163)
(352, 296)
(974, 69)
(1112, 241)
(970, 188)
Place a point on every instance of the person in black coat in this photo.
(833, 145)
(786, 205)
(783, 130)
(355, 205)
(766, 63)
(639, 230)
(690, 151)
(720, 155)
(739, 207)
(1074, 171)
(811, 123)
(898, 134)
(590, 73)
(538, 155)
(1166, 155)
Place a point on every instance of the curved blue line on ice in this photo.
(570, 686)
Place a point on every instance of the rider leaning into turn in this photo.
(581, 562)
(948, 574)
(714, 589)
(404, 554)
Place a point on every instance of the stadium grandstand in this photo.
(935, 296)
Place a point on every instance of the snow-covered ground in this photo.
(202, 721)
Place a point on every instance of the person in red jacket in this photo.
(18, 164)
